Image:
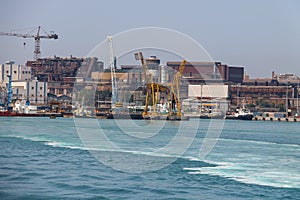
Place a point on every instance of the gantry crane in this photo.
(150, 86)
(37, 39)
(174, 95)
(153, 89)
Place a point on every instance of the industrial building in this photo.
(279, 92)
(199, 72)
(62, 73)
(33, 91)
(23, 88)
(17, 72)
(205, 81)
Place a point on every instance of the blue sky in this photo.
(262, 35)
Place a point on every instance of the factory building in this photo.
(279, 92)
(208, 91)
(62, 73)
(17, 72)
(197, 72)
(33, 91)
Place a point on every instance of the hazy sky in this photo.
(262, 35)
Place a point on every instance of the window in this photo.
(7, 71)
(32, 95)
(41, 95)
(32, 88)
(22, 72)
(41, 88)
(15, 72)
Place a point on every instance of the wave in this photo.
(257, 176)
(260, 142)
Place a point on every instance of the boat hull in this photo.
(239, 117)
(17, 114)
(124, 116)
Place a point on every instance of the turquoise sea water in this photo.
(45, 158)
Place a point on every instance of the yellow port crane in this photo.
(153, 89)
(37, 39)
(174, 94)
(148, 82)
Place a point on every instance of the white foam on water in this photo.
(70, 146)
(52, 144)
(271, 168)
(259, 142)
(256, 176)
(275, 173)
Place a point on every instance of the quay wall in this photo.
(278, 119)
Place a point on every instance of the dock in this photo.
(279, 119)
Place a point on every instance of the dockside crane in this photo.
(153, 89)
(174, 95)
(37, 39)
(10, 93)
(150, 86)
(114, 87)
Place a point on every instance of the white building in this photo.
(208, 91)
(33, 91)
(207, 98)
(17, 72)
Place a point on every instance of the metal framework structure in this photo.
(37, 39)
(148, 82)
(153, 89)
(175, 94)
(114, 87)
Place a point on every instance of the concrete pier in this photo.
(284, 119)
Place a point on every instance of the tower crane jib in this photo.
(37, 39)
